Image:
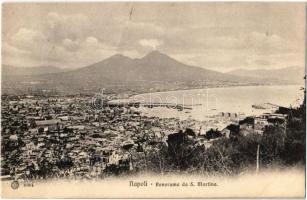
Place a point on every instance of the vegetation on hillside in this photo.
(279, 146)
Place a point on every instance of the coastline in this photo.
(203, 88)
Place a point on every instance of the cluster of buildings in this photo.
(231, 125)
(254, 125)
(47, 137)
(67, 136)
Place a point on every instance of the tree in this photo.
(272, 143)
(295, 139)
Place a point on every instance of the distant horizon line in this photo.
(158, 51)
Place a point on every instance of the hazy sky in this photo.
(219, 36)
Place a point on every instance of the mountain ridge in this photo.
(118, 72)
(35, 70)
(293, 74)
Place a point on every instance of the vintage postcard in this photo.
(153, 100)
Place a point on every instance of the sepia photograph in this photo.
(153, 100)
